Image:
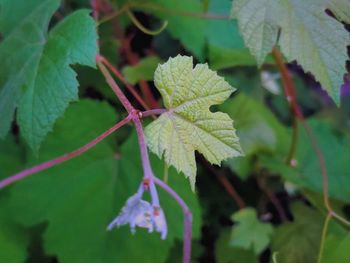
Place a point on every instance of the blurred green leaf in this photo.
(144, 70)
(299, 241)
(249, 232)
(225, 45)
(258, 130)
(13, 240)
(187, 29)
(335, 149)
(228, 254)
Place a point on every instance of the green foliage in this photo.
(13, 241)
(225, 45)
(188, 125)
(36, 78)
(225, 253)
(61, 214)
(250, 233)
(80, 197)
(304, 35)
(335, 148)
(299, 241)
(258, 129)
(144, 70)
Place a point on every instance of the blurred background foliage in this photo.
(60, 215)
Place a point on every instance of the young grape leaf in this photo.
(189, 125)
(250, 233)
(36, 78)
(307, 34)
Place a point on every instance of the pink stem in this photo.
(186, 258)
(126, 83)
(63, 158)
(152, 112)
(148, 174)
(123, 99)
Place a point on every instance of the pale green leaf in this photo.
(249, 232)
(341, 9)
(258, 27)
(307, 34)
(36, 78)
(189, 125)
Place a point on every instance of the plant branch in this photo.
(230, 189)
(153, 7)
(323, 237)
(289, 89)
(152, 112)
(148, 178)
(272, 197)
(114, 86)
(38, 168)
(142, 28)
(187, 219)
(130, 88)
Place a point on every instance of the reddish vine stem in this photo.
(130, 88)
(187, 219)
(230, 189)
(38, 168)
(132, 58)
(289, 90)
(274, 200)
(148, 173)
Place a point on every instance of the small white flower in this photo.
(140, 213)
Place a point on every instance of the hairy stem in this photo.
(38, 168)
(130, 88)
(187, 219)
(153, 112)
(148, 173)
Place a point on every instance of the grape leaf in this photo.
(141, 71)
(258, 129)
(227, 254)
(259, 28)
(335, 148)
(188, 125)
(225, 45)
(341, 9)
(250, 233)
(36, 78)
(79, 198)
(13, 240)
(307, 34)
(299, 240)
